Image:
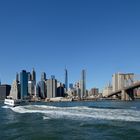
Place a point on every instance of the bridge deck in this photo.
(133, 86)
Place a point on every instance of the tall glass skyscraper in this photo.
(23, 84)
(83, 83)
(41, 89)
(66, 79)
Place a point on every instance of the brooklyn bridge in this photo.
(126, 93)
(124, 86)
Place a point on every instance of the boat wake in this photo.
(79, 113)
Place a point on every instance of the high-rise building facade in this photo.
(4, 91)
(43, 76)
(29, 76)
(15, 90)
(60, 90)
(51, 88)
(83, 83)
(31, 88)
(41, 89)
(33, 75)
(23, 84)
(66, 79)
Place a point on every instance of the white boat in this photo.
(12, 102)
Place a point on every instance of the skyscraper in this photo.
(43, 76)
(17, 77)
(51, 88)
(33, 76)
(23, 84)
(29, 76)
(83, 83)
(66, 79)
(41, 89)
(15, 90)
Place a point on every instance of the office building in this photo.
(4, 91)
(83, 83)
(29, 76)
(43, 76)
(60, 90)
(33, 75)
(66, 80)
(121, 80)
(107, 90)
(24, 84)
(41, 89)
(31, 88)
(51, 88)
(15, 90)
(94, 92)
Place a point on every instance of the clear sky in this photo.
(101, 36)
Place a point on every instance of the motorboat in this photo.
(13, 102)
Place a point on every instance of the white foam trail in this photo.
(5, 107)
(46, 118)
(81, 112)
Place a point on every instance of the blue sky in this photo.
(101, 36)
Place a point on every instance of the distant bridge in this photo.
(126, 93)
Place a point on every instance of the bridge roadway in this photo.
(131, 87)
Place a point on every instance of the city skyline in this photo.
(99, 36)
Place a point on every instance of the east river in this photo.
(97, 120)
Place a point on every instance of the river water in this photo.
(97, 120)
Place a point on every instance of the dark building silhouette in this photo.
(60, 90)
(4, 91)
(23, 84)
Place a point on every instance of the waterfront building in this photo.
(24, 84)
(60, 90)
(51, 87)
(107, 90)
(4, 91)
(83, 83)
(15, 90)
(94, 92)
(121, 80)
(41, 89)
(117, 81)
